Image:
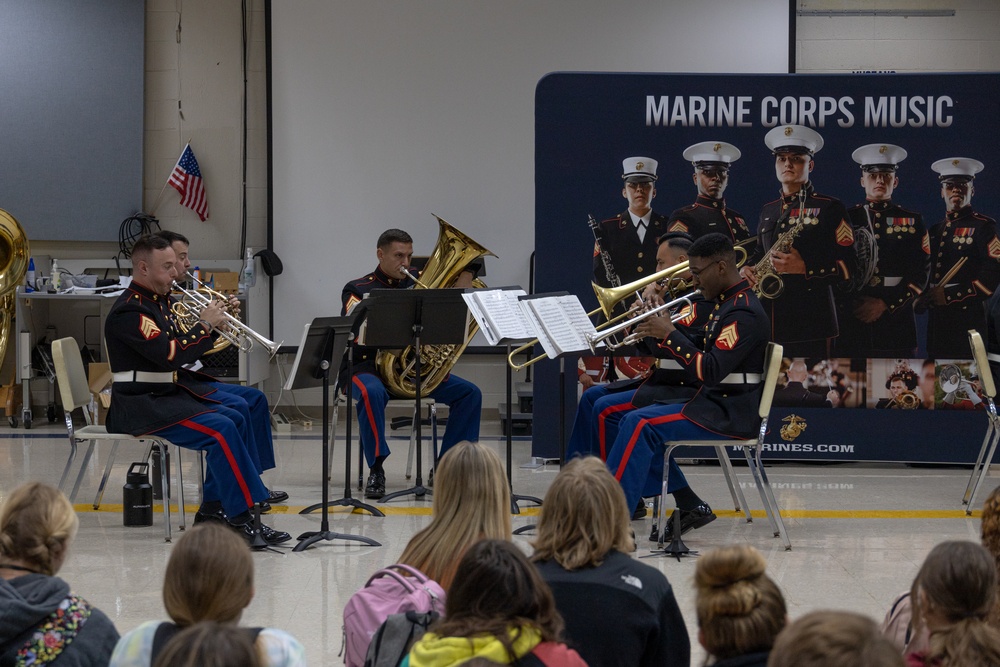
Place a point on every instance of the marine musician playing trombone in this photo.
(249, 402)
(394, 251)
(601, 407)
(153, 394)
(725, 357)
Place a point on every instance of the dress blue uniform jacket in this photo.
(709, 216)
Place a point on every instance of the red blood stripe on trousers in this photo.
(601, 435)
(201, 428)
(655, 421)
(368, 410)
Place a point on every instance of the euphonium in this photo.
(14, 256)
(906, 400)
(451, 255)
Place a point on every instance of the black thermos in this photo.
(137, 496)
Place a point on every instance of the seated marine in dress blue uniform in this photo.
(154, 394)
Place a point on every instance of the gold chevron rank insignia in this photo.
(994, 248)
(351, 302)
(148, 328)
(925, 245)
(728, 337)
(687, 316)
(845, 234)
(678, 226)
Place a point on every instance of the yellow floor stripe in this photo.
(389, 510)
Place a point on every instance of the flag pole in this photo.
(156, 203)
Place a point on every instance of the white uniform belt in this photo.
(670, 365)
(993, 356)
(145, 376)
(741, 378)
(891, 281)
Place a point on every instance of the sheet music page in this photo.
(565, 335)
(504, 311)
(477, 313)
(550, 349)
(577, 315)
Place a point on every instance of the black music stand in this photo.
(323, 341)
(398, 318)
(514, 497)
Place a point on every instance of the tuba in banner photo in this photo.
(451, 255)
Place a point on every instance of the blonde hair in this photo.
(37, 523)
(209, 576)
(958, 581)
(471, 503)
(990, 536)
(740, 609)
(833, 639)
(584, 516)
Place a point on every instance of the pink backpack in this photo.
(387, 592)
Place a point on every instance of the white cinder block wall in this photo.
(969, 41)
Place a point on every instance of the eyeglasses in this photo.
(698, 272)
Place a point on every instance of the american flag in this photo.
(186, 179)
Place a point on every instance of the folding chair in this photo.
(992, 432)
(75, 393)
(772, 366)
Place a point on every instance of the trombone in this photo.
(635, 338)
(233, 330)
(608, 297)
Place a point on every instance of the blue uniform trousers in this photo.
(462, 397)
(639, 444)
(252, 404)
(598, 418)
(231, 476)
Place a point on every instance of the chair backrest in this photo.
(982, 363)
(772, 369)
(73, 387)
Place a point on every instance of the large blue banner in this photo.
(587, 124)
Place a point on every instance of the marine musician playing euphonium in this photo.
(803, 316)
(394, 251)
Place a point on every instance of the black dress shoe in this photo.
(654, 535)
(640, 511)
(264, 507)
(276, 496)
(702, 515)
(375, 488)
(203, 515)
(270, 535)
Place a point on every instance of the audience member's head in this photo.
(584, 516)
(833, 639)
(209, 576)
(498, 592)
(740, 609)
(953, 595)
(471, 502)
(990, 535)
(37, 525)
(209, 644)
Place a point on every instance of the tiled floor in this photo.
(858, 533)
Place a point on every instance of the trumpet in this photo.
(608, 297)
(233, 330)
(635, 338)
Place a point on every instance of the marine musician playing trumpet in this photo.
(153, 394)
(394, 251)
(804, 247)
(724, 357)
(249, 402)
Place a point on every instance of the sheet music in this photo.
(564, 322)
(499, 315)
(551, 351)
